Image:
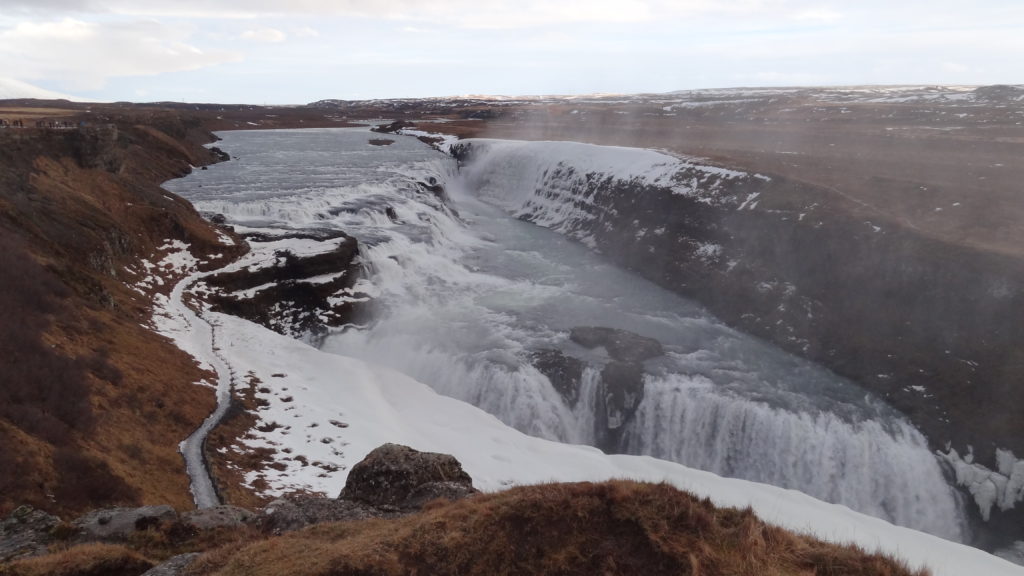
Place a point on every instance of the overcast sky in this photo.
(267, 51)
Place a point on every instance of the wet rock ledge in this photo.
(297, 295)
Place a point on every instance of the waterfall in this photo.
(463, 294)
(882, 468)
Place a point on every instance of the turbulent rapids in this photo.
(466, 297)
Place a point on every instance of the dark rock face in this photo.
(119, 523)
(564, 372)
(393, 127)
(622, 379)
(622, 345)
(220, 155)
(622, 387)
(26, 532)
(821, 277)
(434, 187)
(890, 309)
(398, 477)
(392, 480)
(291, 304)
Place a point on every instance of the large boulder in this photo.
(622, 345)
(113, 524)
(564, 372)
(395, 477)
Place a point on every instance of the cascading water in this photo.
(462, 299)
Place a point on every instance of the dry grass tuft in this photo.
(609, 528)
(85, 560)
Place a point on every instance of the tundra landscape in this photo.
(828, 242)
(487, 287)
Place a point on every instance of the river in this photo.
(465, 295)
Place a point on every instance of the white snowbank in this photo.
(334, 410)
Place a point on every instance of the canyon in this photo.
(840, 242)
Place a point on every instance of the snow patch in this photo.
(333, 410)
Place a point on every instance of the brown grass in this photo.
(228, 461)
(79, 211)
(15, 112)
(85, 560)
(610, 528)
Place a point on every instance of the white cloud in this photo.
(268, 35)
(81, 55)
(10, 88)
(462, 13)
(306, 32)
(823, 15)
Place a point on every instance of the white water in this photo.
(461, 302)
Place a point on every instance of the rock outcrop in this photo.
(296, 295)
(392, 480)
(622, 345)
(622, 379)
(401, 478)
(217, 517)
(26, 532)
(620, 389)
(564, 372)
(393, 127)
(289, 514)
(113, 524)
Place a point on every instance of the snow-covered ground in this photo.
(338, 409)
(332, 410)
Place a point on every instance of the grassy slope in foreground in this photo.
(609, 528)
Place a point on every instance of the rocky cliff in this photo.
(932, 326)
